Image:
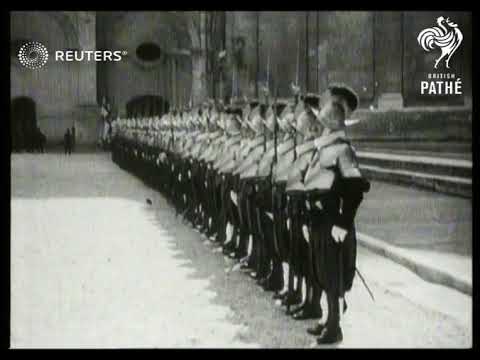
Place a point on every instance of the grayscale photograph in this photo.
(241, 179)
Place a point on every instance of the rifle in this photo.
(274, 163)
(295, 133)
(291, 213)
(296, 100)
(266, 103)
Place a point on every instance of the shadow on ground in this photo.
(252, 308)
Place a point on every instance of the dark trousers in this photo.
(333, 319)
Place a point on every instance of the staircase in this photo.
(429, 148)
(449, 173)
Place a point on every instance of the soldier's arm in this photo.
(351, 185)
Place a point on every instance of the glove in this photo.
(306, 234)
(338, 234)
(234, 197)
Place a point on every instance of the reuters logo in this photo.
(33, 55)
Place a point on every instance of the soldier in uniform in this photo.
(334, 187)
(272, 184)
(247, 170)
(285, 156)
(206, 158)
(239, 249)
(264, 187)
(300, 252)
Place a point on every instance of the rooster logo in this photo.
(448, 38)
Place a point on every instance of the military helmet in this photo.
(337, 102)
(236, 110)
(345, 94)
(312, 100)
(280, 105)
(305, 112)
(254, 103)
(263, 110)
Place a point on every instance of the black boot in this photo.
(296, 310)
(275, 282)
(308, 312)
(316, 330)
(330, 337)
(292, 298)
(279, 295)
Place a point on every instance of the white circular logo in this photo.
(33, 55)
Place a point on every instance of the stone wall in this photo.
(168, 77)
(61, 90)
(376, 53)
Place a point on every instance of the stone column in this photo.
(87, 113)
(174, 79)
(388, 62)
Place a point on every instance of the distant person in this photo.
(74, 138)
(67, 142)
(106, 128)
(39, 141)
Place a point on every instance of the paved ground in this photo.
(93, 265)
(418, 219)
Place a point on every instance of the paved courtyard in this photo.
(94, 266)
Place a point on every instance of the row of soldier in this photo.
(275, 184)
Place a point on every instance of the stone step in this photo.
(435, 149)
(418, 163)
(400, 173)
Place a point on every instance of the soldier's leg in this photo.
(190, 194)
(234, 223)
(274, 280)
(255, 236)
(249, 262)
(222, 221)
(210, 209)
(279, 233)
(243, 233)
(332, 332)
(311, 307)
(216, 203)
(258, 236)
(295, 277)
(199, 188)
(230, 231)
(239, 251)
(202, 196)
(308, 311)
(289, 234)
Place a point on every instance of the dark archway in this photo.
(147, 105)
(23, 122)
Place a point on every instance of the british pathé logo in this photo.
(34, 55)
(447, 37)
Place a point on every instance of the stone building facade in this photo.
(376, 53)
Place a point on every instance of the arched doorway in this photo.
(23, 122)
